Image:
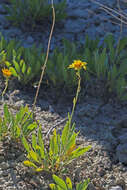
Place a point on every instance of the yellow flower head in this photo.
(6, 72)
(77, 65)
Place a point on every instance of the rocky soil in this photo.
(102, 125)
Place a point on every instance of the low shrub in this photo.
(30, 13)
(60, 184)
(62, 150)
(24, 63)
(16, 126)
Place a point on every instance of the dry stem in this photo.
(46, 59)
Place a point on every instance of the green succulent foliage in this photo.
(33, 12)
(107, 62)
(57, 66)
(62, 150)
(6, 48)
(117, 81)
(117, 72)
(17, 125)
(26, 64)
(60, 184)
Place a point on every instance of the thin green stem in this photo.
(6, 85)
(77, 93)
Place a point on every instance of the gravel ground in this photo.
(100, 164)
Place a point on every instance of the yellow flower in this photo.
(77, 65)
(6, 72)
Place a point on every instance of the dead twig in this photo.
(46, 59)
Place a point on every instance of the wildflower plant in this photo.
(60, 184)
(16, 126)
(62, 148)
(30, 13)
(25, 64)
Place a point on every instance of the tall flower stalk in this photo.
(77, 65)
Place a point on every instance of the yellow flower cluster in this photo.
(6, 72)
(77, 65)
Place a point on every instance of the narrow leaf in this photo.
(23, 68)
(25, 143)
(59, 182)
(17, 67)
(29, 164)
(34, 141)
(6, 113)
(13, 71)
(33, 155)
(52, 186)
(41, 143)
(80, 151)
(68, 182)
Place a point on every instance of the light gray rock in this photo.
(30, 40)
(4, 165)
(75, 25)
(88, 110)
(121, 153)
(116, 188)
(123, 138)
(91, 187)
(1, 158)
(78, 13)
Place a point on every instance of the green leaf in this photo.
(59, 182)
(7, 63)
(16, 131)
(79, 151)
(32, 126)
(21, 62)
(29, 71)
(68, 182)
(39, 169)
(122, 44)
(24, 68)
(52, 186)
(109, 40)
(85, 184)
(13, 71)
(34, 141)
(55, 142)
(14, 54)
(38, 66)
(6, 113)
(82, 186)
(29, 164)
(25, 143)
(17, 67)
(72, 141)
(33, 155)
(65, 133)
(58, 187)
(41, 143)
